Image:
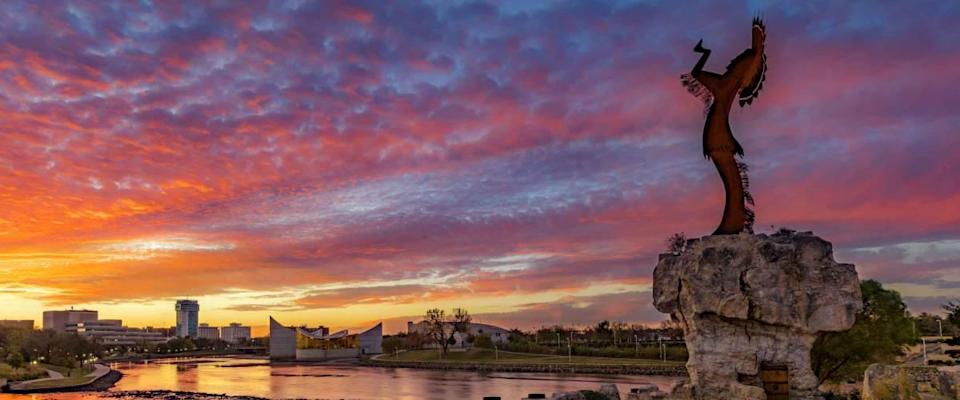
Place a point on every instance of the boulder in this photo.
(645, 392)
(753, 303)
(610, 390)
(568, 396)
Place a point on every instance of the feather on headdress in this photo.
(752, 90)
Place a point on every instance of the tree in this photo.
(459, 321)
(392, 344)
(437, 327)
(15, 359)
(442, 328)
(953, 312)
(930, 325)
(879, 334)
(483, 341)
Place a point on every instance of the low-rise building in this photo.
(17, 323)
(111, 332)
(301, 344)
(205, 331)
(235, 333)
(59, 319)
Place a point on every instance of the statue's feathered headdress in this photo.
(752, 90)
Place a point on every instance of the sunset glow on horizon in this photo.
(343, 163)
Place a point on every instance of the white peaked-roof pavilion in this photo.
(300, 344)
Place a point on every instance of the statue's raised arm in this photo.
(742, 82)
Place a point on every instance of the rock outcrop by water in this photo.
(752, 302)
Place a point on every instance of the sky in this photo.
(343, 163)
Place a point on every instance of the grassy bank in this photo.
(486, 356)
(59, 383)
(69, 372)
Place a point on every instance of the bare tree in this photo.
(459, 322)
(437, 327)
(443, 327)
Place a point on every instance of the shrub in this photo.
(676, 243)
(592, 395)
(15, 359)
(24, 373)
(483, 341)
(392, 344)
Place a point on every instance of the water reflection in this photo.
(281, 381)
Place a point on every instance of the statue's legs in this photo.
(734, 211)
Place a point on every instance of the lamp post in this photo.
(558, 340)
(940, 323)
(924, 350)
(636, 344)
(660, 347)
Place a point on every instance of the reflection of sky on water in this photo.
(343, 382)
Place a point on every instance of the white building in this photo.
(496, 333)
(111, 332)
(206, 331)
(302, 344)
(235, 333)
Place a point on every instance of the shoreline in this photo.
(101, 384)
(150, 357)
(678, 370)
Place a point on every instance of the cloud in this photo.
(515, 152)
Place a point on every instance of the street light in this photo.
(924, 350)
(939, 322)
(660, 347)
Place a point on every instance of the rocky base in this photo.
(882, 382)
(610, 392)
(751, 307)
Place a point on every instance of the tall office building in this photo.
(58, 320)
(188, 318)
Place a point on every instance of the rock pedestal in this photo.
(751, 307)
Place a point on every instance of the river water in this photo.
(247, 377)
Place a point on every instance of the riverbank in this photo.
(491, 361)
(175, 395)
(192, 354)
(536, 368)
(102, 378)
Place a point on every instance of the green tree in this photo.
(392, 344)
(953, 312)
(483, 341)
(15, 359)
(880, 332)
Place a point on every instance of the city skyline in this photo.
(524, 161)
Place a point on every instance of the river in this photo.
(246, 377)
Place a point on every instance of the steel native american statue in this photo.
(742, 81)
